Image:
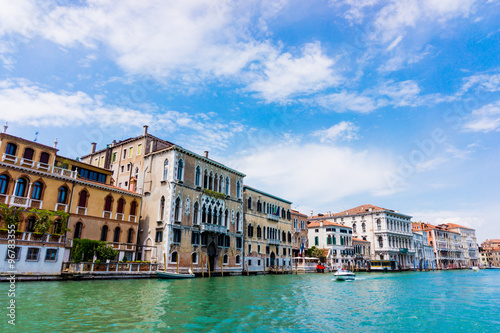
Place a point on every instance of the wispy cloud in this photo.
(343, 131)
(485, 119)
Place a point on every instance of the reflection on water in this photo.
(448, 301)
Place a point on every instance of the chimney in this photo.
(311, 213)
(113, 143)
(205, 153)
(55, 142)
(92, 150)
(5, 127)
(145, 131)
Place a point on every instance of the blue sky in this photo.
(329, 104)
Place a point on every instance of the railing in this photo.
(27, 162)
(19, 201)
(110, 268)
(119, 216)
(34, 237)
(273, 241)
(9, 158)
(43, 166)
(213, 227)
(273, 217)
(4, 199)
(64, 172)
(106, 214)
(132, 218)
(61, 207)
(81, 210)
(36, 204)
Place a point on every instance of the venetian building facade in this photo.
(469, 243)
(299, 228)
(336, 239)
(362, 252)
(32, 175)
(192, 212)
(268, 231)
(388, 231)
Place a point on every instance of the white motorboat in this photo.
(344, 275)
(172, 275)
(475, 268)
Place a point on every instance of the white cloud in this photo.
(356, 8)
(485, 119)
(486, 82)
(343, 131)
(24, 102)
(349, 101)
(286, 76)
(314, 174)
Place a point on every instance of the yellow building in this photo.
(268, 231)
(32, 175)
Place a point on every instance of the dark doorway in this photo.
(211, 252)
(273, 258)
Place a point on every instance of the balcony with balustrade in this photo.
(213, 228)
(273, 217)
(273, 241)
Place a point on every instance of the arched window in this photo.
(177, 210)
(21, 187)
(62, 197)
(249, 230)
(259, 206)
(238, 221)
(162, 207)
(133, 208)
(259, 231)
(165, 170)
(116, 236)
(211, 181)
(363, 227)
(30, 224)
(283, 236)
(379, 224)
(221, 183)
(82, 200)
(250, 203)
(194, 258)
(4, 184)
(196, 208)
(78, 230)
(354, 227)
(11, 149)
(237, 260)
(180, 170)
(209, 215)
(380, 242)
(58, 226)
(228, 185)
(121, 206)
(226, 259)
(44, 158)
(205, 179)
(289, 237)
(219, 222)
(216, 181)
(36, 193)
(226, 218)
(130, 237)
(203, 214)
(238, 189)
(173, 257)
(197, 176)
(104, 233)
(28, 154)
(108, 203)
(288, 215)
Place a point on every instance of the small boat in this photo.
(475, 268)
(172, 275)
(344, 275)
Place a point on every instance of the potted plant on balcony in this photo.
(11, 215)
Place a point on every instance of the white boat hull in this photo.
(169, 275)
(344, 276)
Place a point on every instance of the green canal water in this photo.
(444, 301)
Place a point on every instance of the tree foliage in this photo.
(86, 249)
(45, 220)
(314, 252)
(11, 215)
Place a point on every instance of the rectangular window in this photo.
(177, 236)
(32, 254)
(249, 262)
(249, 248)
(128, 166)
(227, 241)
(258, 249)
(102, 161)
(204, 239)
(96, 161)
(284, 251)
(51, 254)
(126, 184)
(113, 158)
(239, 243)
(130, 151)
(220, 241)
(316, 240)
(258, 262)
(124, 156)
(159, 236)
(267, 250)
(195, 238)
(13, 253)
(122, 169)
(139, 149)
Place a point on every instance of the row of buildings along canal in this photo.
(156, 202)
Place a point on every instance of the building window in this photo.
(21, 187)
(51, 254)
(113, 158)
(124, 156)
(78, 230)
(108, 203)
(130, 151)
(102, 161)
(177, 236)
(173, 257)
(116, 236)
(250, 230)
(82, 200)
(259, 231)
(238, 189)
(130, 236)
(122, 168)
(316, 240)
(133, 208)
(250, 203)
(249, 248)
(363, 227)
(380, 242)
(204, 239)
(195, 238)
(30, 224)
(329, 240)
(258, 249)
(11, 149)
(197, 176)
(36, 193)
(180, 170)
(162, 208)
(194, 258)
(104, 233)
(13, 253)
(159, 236)
(44, 158)
(139, 149)
(121, 205)
(226, 259)
(177, 210)
(28, 154)
(239, 243)
(32, 254)
(128, 166)
(165, 170)
(195, 213)
(228, 185)
(4, 183)
(237, 260)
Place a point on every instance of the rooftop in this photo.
(316, 224)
